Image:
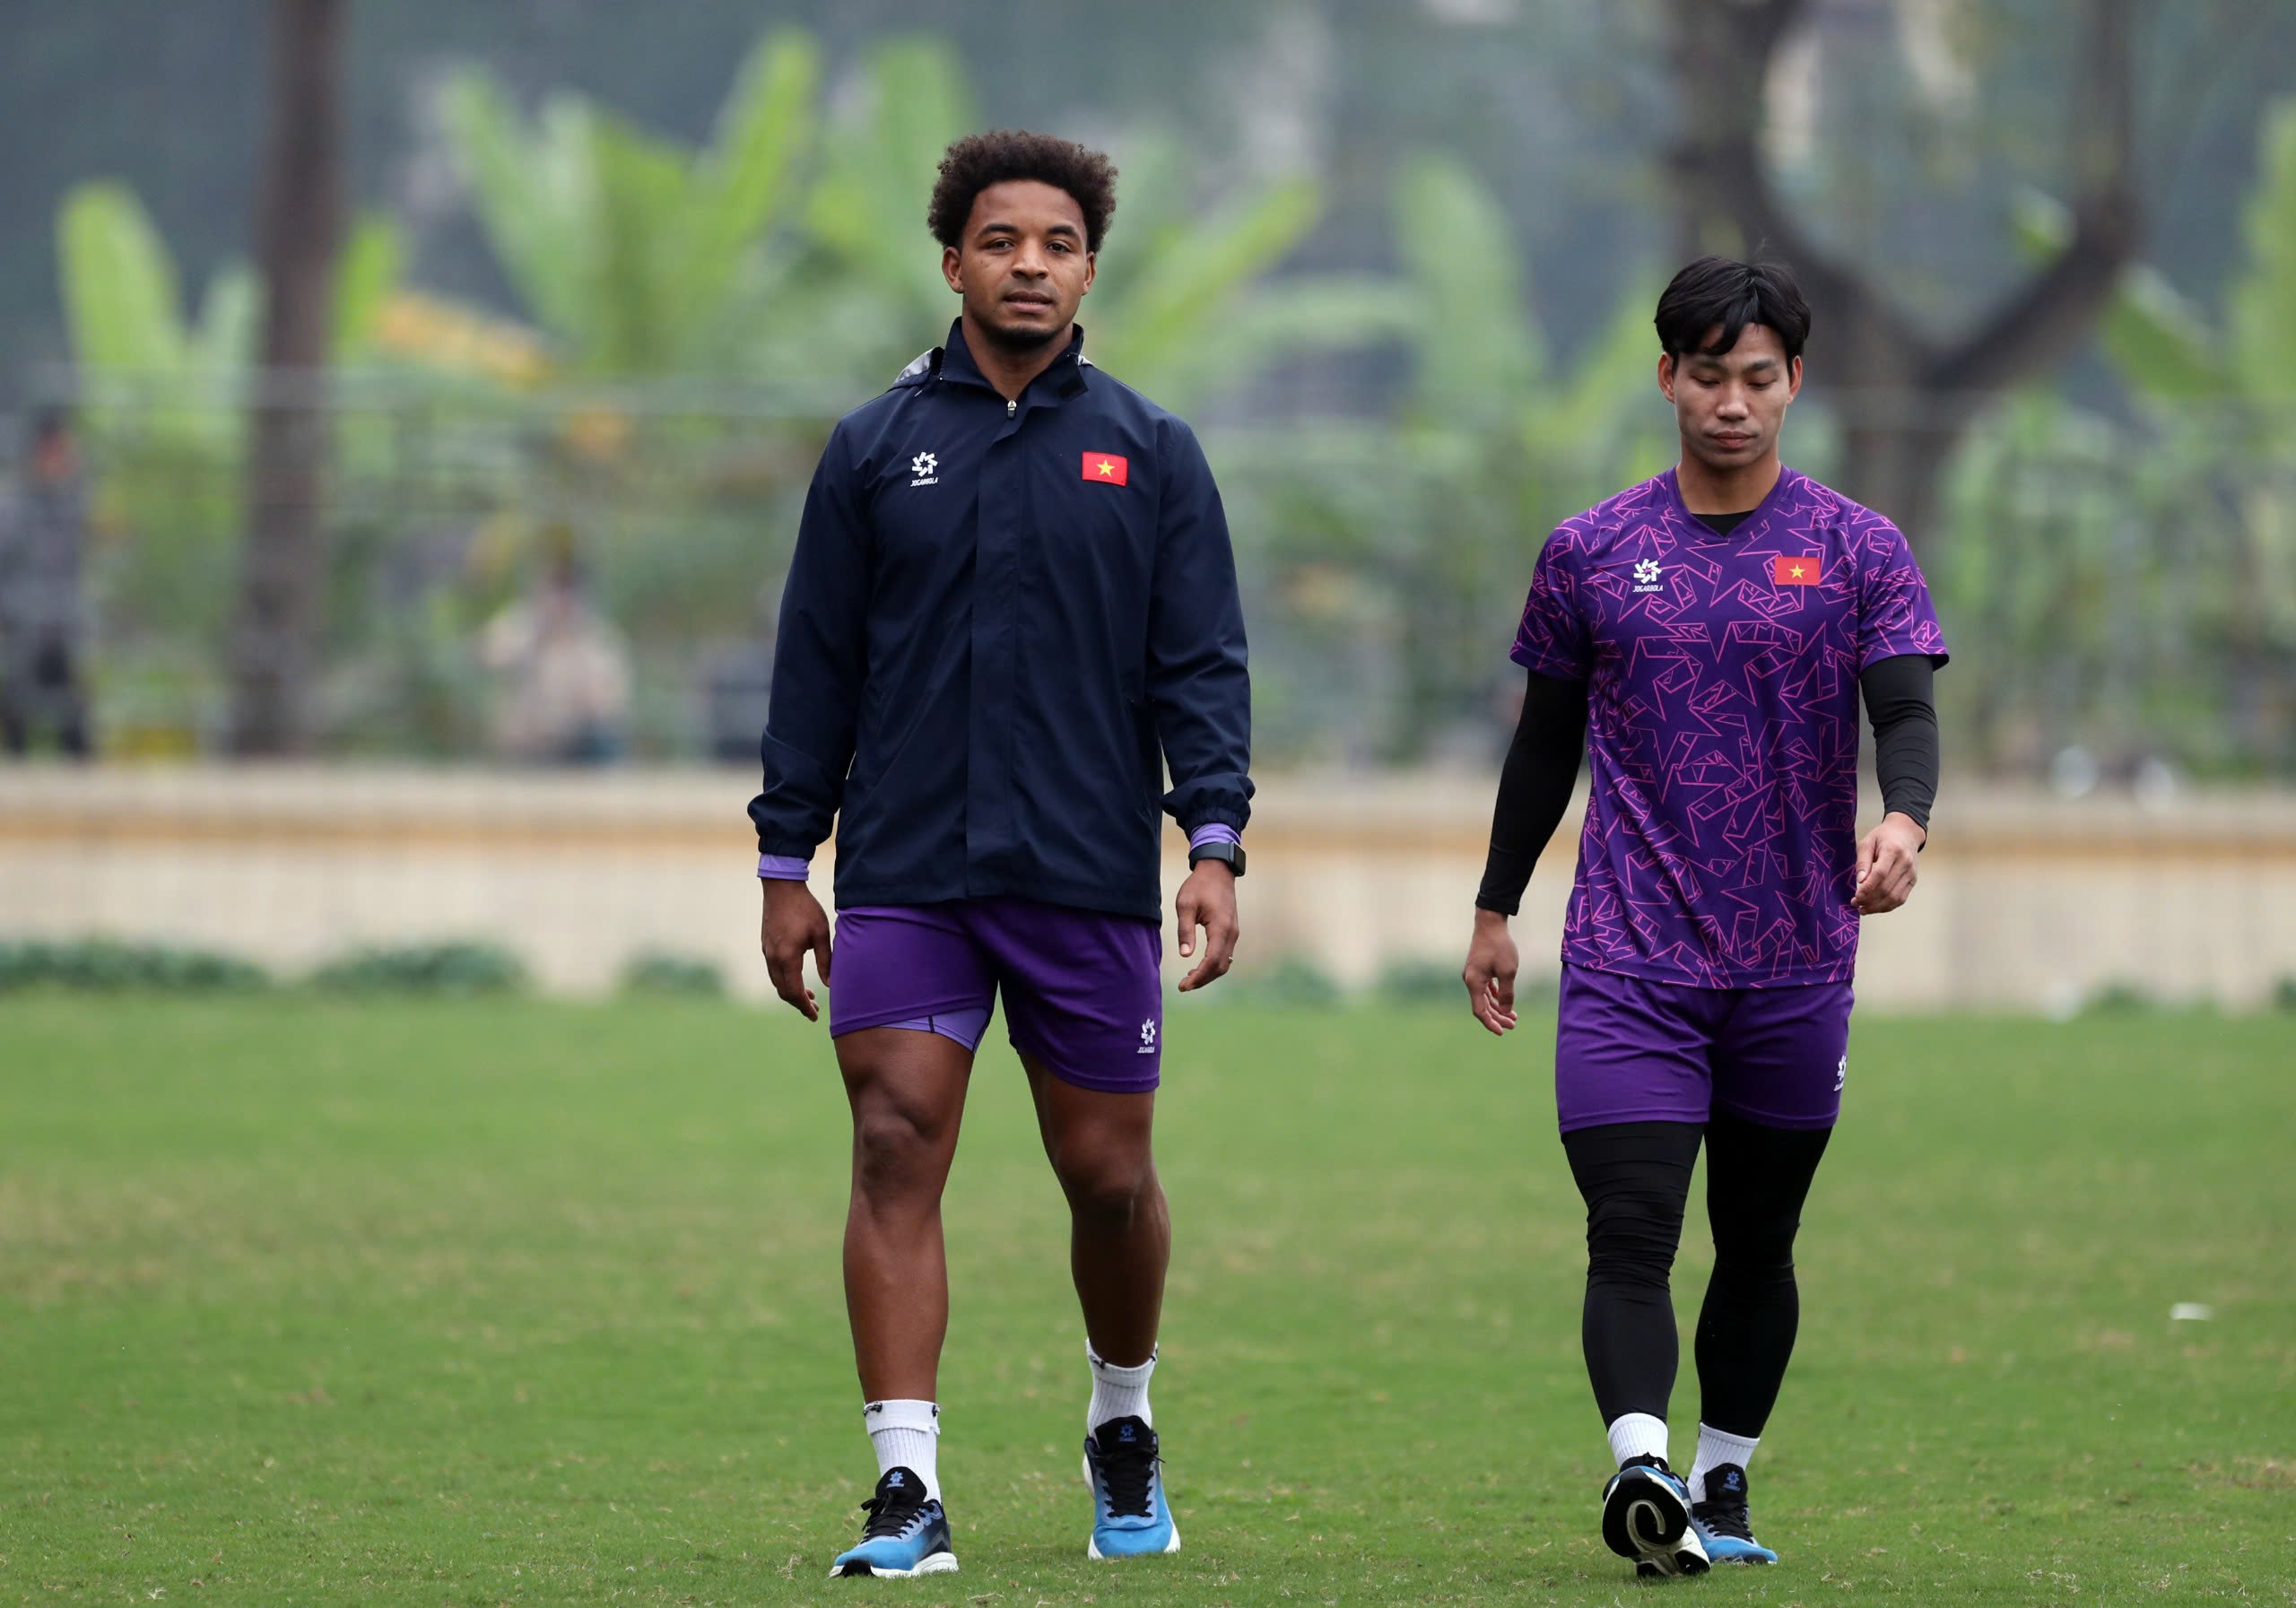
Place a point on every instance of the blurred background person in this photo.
(43, 634)
(562, 669)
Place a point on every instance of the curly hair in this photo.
(979, 160)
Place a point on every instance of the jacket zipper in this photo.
(1012, 406)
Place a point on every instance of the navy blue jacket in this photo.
(1003, 621)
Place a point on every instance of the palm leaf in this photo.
(1153, 207)
(869, 203)
(2160, 344)
(744, 183)
(536, 197)
(222, 342)
(2264, 302)
(120, 292)
(1193, 281)
(1479, 352)
(635, 310)
(363, 280)
(1283, 319)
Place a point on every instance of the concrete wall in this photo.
(2026, 901)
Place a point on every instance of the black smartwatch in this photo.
(1231, 853)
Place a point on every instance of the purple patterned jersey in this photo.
(1720, 847)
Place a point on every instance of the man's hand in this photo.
(1885, 864)
(1208, 901)
(1490, 973)
(793, 924)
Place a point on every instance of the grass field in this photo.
(321, 1302)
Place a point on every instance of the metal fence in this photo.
(2120, 591)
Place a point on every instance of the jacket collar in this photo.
(955, 361)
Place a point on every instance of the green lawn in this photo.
(313, 1302)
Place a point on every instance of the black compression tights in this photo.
(1636, 1179)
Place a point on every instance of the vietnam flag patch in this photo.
(1108, 468)
(1796, 572)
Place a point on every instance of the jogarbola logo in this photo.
(1647, 572)
(924, 469)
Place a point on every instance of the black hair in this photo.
(1717, 291)
(979, 160)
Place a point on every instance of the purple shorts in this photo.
(1081, 991)
(1629, 1051)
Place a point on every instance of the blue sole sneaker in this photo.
(907, 1533)
(1646, 1517)
(1723, 1522)
(1125, 1471)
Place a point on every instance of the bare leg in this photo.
(907, 1093)
(1120, 1232)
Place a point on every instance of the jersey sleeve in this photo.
(1552, 639)
(1894, 613)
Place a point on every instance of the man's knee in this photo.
(1756, 1249)
(1107, 1178)
(1632, 1236)
(898, 1149)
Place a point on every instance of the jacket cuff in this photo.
(782, 868)
(1213, 831)
(1198, 805)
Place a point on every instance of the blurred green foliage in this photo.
(1420, 982)
(1295, 982)
(673, 976)
(1394, 445)
(2130, 583)
(162, 402)
(637, 255)
(455, 969)
(108, 966)
(795, 246)
(1391, 554)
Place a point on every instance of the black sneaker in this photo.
(1646, 1517)
(1722, 1521)
(907, 1534)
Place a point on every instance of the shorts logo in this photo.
(1841, 1074)
(1647, 572)
(924, 469)
(1147, 1037)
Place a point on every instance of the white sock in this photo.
(907, 1434)
(1119, 1392)
(1714, 1449)
(1638, 1435)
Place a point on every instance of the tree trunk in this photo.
(1905, 399)
(1896, 442)
(283, 575)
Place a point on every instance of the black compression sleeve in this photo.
(1899, 702)
(1534, 788)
